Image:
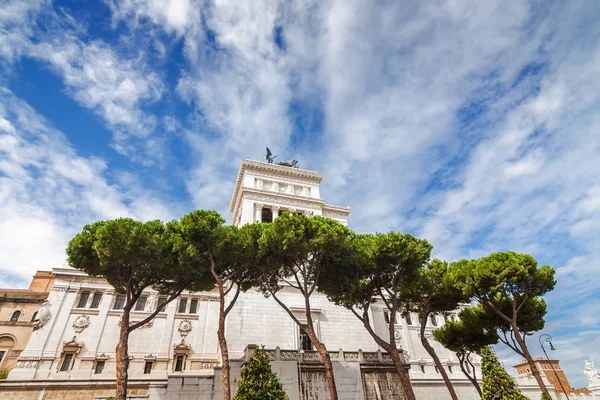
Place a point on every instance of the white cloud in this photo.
(48, 192)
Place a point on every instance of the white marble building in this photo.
(75, 347)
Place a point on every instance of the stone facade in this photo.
(19, 312)
(176, 355)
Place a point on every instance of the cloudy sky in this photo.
(474, 124)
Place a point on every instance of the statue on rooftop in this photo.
(591, 373)
(269, 157)
(289, 163)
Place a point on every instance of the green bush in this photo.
(497, 383)
(3, 373)
(258, 381)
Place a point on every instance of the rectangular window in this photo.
(148, 367)
(437, 371)
(422, 368)
(2, 352)
(433, 320)
(305, 343)
(179, 364)
(182, 305)
(83, 299)
(408, 319)
(119, 302)
(140, 305)
(450, 368)
(162, 303)
(386, 317)
(66, 363)
(99, 367)
(96, 300)
(193, 306)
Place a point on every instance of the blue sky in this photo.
(473, 124)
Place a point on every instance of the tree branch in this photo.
(158, 309)
(232, 302)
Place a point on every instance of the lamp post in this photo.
(544, 338)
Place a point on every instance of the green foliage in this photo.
(258, 381)
(503, 275)
(3, 373)
(431, 291)
(376, 266)
(132, 256)
(469, 334)
(545, 396)
(497, 383)
(302, 248)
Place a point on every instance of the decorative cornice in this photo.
(266, 169)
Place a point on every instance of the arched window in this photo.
(15, 316)
(33, 318)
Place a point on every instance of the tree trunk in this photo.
(473, 378)
(221, 333)
(224, 357)
(527, 355)
(326, 362)
(123, 357)
(436, 359)
(404, 377)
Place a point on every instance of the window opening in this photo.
(162, 303)
(119, 302)
(193, 306)
(66, 364)
(99, 367)
(179, 364)
(96, 300)
(386, 317)
(182, 305)
(34, 316)
(83, 299)
(305, 343)
(408, 319)
(148, 367)
(15, 316)
(140, 305)
(267, 215)
(433, 320)
(422, 368)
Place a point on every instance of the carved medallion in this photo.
(185, 327)
(80, 323)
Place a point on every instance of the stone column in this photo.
(275, 210)
(258, 212)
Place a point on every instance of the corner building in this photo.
(176, 357)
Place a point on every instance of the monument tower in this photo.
(263, 191)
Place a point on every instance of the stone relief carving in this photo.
(150, 304)
(275, 187)
(398, 334)
(305, 191)
(591, 373)
(259, 184)
(291, 177)
(43, 315)
(282, 201)
(80, 323)
(145, 326)
(185, 327)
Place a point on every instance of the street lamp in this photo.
(544, 338)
